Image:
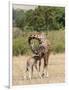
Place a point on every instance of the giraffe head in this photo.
(40, 36)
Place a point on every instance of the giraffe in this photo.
(43, 51)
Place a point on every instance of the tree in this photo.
(43, 18)
(19, 18)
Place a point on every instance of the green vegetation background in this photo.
(50, 20)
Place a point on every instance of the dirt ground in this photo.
(56, 70)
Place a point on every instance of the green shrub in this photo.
(59, 48)
(16, 32)
(57, 40)
(21, 46)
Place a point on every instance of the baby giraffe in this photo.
(30, 64)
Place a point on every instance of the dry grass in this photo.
(56, 71)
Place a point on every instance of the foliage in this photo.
(16, 32)
(41, 18)
(57, 40)
(50, 20)
(20, 44)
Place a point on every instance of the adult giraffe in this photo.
(43, 50)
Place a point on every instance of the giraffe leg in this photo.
(39, 69)
(45, 68)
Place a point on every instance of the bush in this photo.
(20, 44)
(57, 40)
(59, 48)
(16, 32)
